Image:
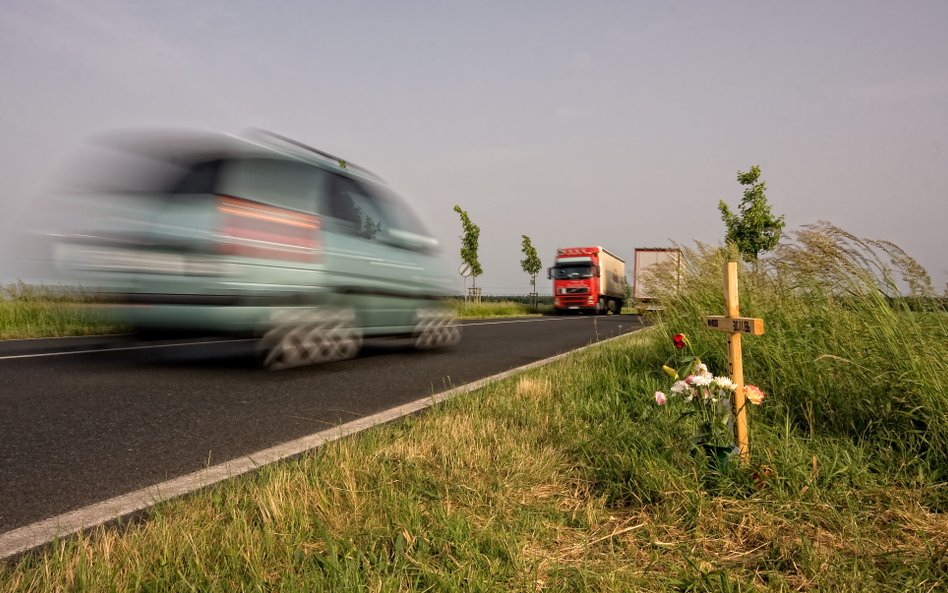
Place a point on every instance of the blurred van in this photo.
(265, 237)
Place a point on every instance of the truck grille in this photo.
(572, 301)
(577, 290)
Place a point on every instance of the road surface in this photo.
(86, 419)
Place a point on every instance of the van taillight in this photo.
(251, 229)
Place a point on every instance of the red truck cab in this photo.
(588, 279)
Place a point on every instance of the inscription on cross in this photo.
(735, 325)
(744, 325)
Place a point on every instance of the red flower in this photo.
(679, 341)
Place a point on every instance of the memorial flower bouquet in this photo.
(707, 397)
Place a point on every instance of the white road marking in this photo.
(86, 336)
(228, 341)
(122, 348)
(533, 320)
(42, 532)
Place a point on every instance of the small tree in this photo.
(469, 241)
(755, 229)
(530, 263)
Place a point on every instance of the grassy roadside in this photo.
(567, 478)
(486, 309)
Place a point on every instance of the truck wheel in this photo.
(601, 307)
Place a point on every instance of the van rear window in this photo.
(200, 178)
(284, 183)
(130, 173)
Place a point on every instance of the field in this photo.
(498, 307)
(37, 312)
(571, 478)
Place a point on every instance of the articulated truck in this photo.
(587, 279)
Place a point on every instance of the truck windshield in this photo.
(563, 272)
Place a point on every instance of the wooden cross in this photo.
(735, 325)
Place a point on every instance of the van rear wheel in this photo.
(436, 329)
(302, 337)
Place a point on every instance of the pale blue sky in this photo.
(612, 123)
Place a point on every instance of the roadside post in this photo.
(735, 325)
(465, 270)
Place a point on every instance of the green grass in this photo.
(570, 478)
(487, 308)
(37, 312)
(31, 312)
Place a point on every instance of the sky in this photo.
(620, 124)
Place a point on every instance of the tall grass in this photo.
(846, 354)
(28, 311)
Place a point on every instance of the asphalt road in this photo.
(112, 416)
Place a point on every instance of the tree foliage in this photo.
(754, 229)
(469, 243)
(530, 263)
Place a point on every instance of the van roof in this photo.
(187, 146)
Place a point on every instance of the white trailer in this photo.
(611, 276)
(652, 265)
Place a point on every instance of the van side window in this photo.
(356, 205)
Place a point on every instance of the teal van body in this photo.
(269, 238)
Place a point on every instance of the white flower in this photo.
(679, 387)
(701, 380)
(725, 383)
(702, 369)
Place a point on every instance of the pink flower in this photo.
(660, 398)
(690, 379)
(754, 394)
